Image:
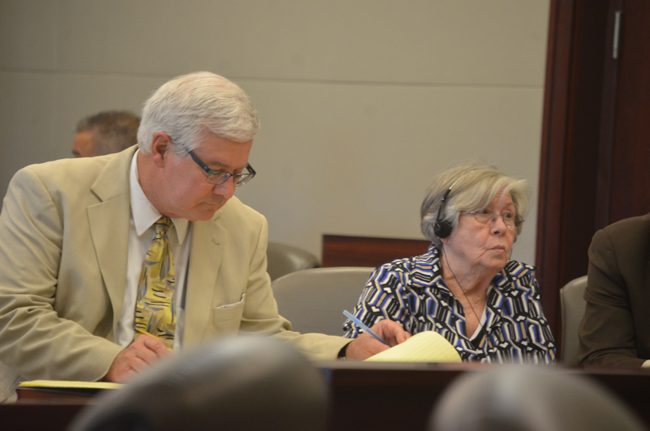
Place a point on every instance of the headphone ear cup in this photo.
(442, 228)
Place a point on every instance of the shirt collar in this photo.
(142, 210)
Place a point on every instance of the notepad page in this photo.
(68, 384)
(428, 346)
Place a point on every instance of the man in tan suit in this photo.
(74, 234)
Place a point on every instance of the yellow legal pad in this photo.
(427, 346)
(68, 385)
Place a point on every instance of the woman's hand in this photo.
(366, 345)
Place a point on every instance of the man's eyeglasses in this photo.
(218, 177)
(486, 216)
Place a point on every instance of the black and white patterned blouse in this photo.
(412, 292)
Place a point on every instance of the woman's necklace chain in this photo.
(460, 286)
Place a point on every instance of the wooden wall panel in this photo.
(344, 250)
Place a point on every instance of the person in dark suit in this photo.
(615, 331)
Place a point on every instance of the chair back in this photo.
(314, 299)
(285, 258)
(572, 309)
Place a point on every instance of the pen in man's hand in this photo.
(363, 326)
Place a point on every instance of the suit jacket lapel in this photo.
(208, 240)
(109, 226)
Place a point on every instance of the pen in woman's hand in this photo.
(363, 326)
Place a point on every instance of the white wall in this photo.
(362, 102)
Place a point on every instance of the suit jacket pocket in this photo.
(227, 317)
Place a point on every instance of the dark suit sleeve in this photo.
(607, 336)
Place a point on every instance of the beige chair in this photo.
(572, 308)
(284, 258)
(314, 299)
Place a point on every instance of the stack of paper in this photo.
(63, 388)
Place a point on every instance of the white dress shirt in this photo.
(143, 217)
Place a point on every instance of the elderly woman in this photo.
(465, 287)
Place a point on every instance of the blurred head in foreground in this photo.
(528, 398)
(240, 383)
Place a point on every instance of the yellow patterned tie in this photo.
(154, 309)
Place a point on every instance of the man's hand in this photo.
(365, 345)
(142, 352)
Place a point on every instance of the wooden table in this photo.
(363, 395)
(401, 396)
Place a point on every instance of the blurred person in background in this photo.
(104, 133)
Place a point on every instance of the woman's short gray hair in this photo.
(472, 188)
(189, 105)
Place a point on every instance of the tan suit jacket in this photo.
(63, 258)
(615, 330)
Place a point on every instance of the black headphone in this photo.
(442, 228)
